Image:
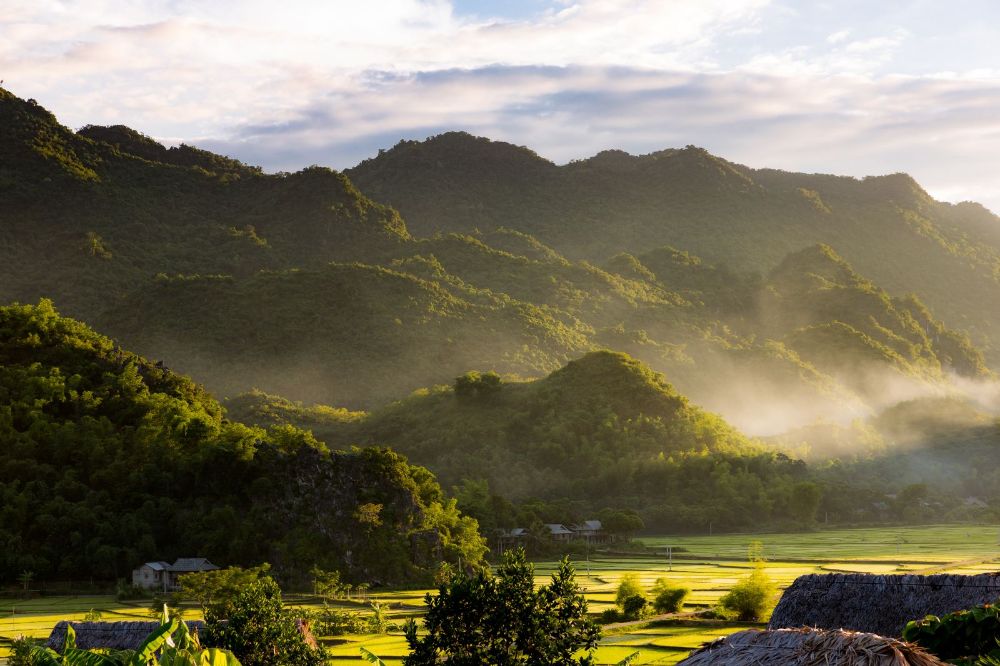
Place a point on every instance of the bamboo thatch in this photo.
(111, 635)
(879, 604)
(809, 647)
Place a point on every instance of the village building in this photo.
(163, 576)
(559, 532)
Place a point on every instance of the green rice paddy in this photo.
(709, 565)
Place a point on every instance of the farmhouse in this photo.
(163, 576)
(559, 532)
(807, 647)
(876, 603)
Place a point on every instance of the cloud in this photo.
(331, 82)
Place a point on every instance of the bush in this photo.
(20, 652)
(634, 607)
(628, 587)
(257, 628)
(334, 622)
(610, 615)
(750, 599)
(668, 597)
(969, 634)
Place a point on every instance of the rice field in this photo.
(709, 565)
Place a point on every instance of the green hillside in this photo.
(299, 285)
(85, 221)
(603, 431)
(748, 219)
(109, 460)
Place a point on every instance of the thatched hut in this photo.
(809, 647)
(110, 635)
(878, 604)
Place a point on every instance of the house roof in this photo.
(588, 526)
(192, 564)
(879, 604)
(157, 566)
(517, 532)
(557, 528)
(807, 647)
(111, 635)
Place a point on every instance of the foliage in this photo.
(110, 459)
(219, 586)
(332, 621)
(961, 637)
(634, 607)
(501, 619)
(629, 586)
(751, 598)
(668, 597)
(255, 625)
(171, 644)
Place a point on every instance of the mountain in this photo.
(109, 460)
(85, 221)
(299, 285)
(602, 431)
(887, 227)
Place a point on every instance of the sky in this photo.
(839, 86)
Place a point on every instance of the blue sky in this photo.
(840, 86)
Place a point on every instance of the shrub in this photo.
(334, 622)
(634, 607)
(750, 599)
(628, 587)
(969, 634)
(668, 597)
(609, 615)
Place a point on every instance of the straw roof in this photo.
(809, 647)
(111, 635)
(879, 604)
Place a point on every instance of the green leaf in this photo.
(371, 658)
(153, 642)
(77, 657)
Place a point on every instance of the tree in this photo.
(477, 385)
(502, 619)
(629, 586)
(668, 597)
(750, 599)
(805, 501)
(256, 627)
(218, 587)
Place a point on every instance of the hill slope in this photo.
(748, 219)
(110, 460)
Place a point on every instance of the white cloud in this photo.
(330, 82)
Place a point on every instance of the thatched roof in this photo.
(112, 635)
(879, 604)
(809, 647)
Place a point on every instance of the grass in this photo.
(709, 565)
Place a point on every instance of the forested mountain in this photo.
(748, 219)
(605, 432)
(783, 302)
(85, 221)
(301, 286)
(109, 460)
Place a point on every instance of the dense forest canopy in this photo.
(109, 460)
